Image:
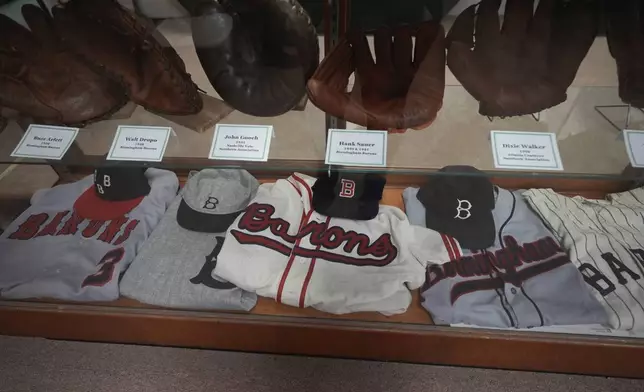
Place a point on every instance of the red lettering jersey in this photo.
(51, 252)
(281, 248)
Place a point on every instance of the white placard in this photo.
(139, 143)
(525, 150)
(356, 148)
(634, 141)
(45, 141)
(241, 142)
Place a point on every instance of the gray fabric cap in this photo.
(213, 198)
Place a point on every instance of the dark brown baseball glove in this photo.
(257, 54)
(130, 50)
(526, 65)
(39, 79)
(403, 88)
(625, 33)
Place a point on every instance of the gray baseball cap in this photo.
(213, 198)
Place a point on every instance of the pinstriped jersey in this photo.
(605, 240)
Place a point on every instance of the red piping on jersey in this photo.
(299, 192)
(448, 246)
(306, 186)
(457, 252)
(303, 222)
(305, 285)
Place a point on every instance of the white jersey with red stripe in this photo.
(281, 248)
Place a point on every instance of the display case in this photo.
(583, 124)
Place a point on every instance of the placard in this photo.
(356, 148)
(525, 150)
(45, 141)
(139, 143)
(241, 142)
(634, 141)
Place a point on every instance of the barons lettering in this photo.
(600, 282)
(499, 267)
(259, 218)
(116, 232)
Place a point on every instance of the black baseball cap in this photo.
(348, 195)
(116, 191)
(460, 205)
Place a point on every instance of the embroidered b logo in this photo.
(464, 206)
(211, 203)
(107, 182)
(348, 188)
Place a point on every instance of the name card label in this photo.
(356, 148)
(241, 142)
(525, 150)
(45, 141)
(634, 141)
(139, 143)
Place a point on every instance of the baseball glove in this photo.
(625, 33)
(257, 54)
(395, 92)
(131, 51)
(527, 65)
(41, 80)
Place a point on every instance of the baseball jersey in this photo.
(605, 240)
(51, 252)
(174, 269)
(281, 248)
(524, 280)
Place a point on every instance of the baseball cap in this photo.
(460, 206)
(348, 195)
(116, 191)
(213, 198)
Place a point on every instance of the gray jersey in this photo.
(51, 252)
(175, 269)
(605, 240)
(525, 280)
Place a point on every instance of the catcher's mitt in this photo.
(625, 33)
(131, 51)
(257, 54)
(527, 65)
(39, 79)
(395, 92)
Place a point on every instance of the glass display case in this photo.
(509, 232)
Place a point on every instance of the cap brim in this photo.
(473, 234)
(90, 206)
(193, 220)
(346, 208)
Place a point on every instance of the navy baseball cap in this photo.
(348, 195)
(460, 205)
(116, 191)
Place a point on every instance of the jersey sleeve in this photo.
(431, 247)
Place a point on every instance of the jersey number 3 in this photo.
(105, 268)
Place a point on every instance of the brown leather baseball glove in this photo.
(625, 33)
(403, 88)
(131, 51)
(39, 79)
(526, 65)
